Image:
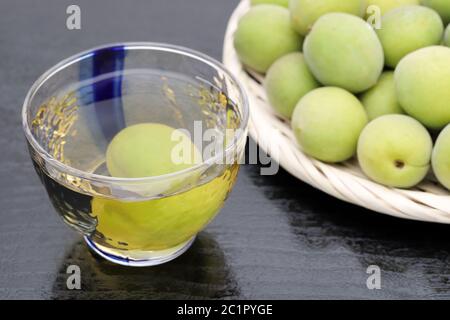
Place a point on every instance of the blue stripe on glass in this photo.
(105, 94)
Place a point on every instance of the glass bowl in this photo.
(76, 109)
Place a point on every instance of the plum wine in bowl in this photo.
(100, 128)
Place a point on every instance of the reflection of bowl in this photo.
(75, 109)
(202, 273)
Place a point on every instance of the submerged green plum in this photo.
(344, 51)
(161, 223)
(327, 123)
(422, 81)
(441, 158)
(283, 3)
(407, 29)
(395, 150)
(165, 222)
(264, 34)
(288, 80)
(145, 150)
(304, 13)
(382, 98)
(441, 6)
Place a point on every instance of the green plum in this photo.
(264, 34)
(283, 3)
(344, 51)
(395, 150)
(288, 80)
(382, 98)
(447, 36)
(407, 29)
(422, 81)
(441, 6)
(304, 13)
(441, 158)
(387, 5)
(327, 123)
(145, 150)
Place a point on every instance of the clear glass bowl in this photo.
(72, 113)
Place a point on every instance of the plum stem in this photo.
(399, 164)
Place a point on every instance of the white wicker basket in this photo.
(427, 202)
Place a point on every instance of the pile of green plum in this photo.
(350, 89)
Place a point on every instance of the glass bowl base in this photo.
(139, 258)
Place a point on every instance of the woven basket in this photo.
(427, 202)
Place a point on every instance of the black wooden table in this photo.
(276, 237)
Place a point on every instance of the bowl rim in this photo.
(141, 45)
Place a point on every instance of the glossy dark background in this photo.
(276, 237)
